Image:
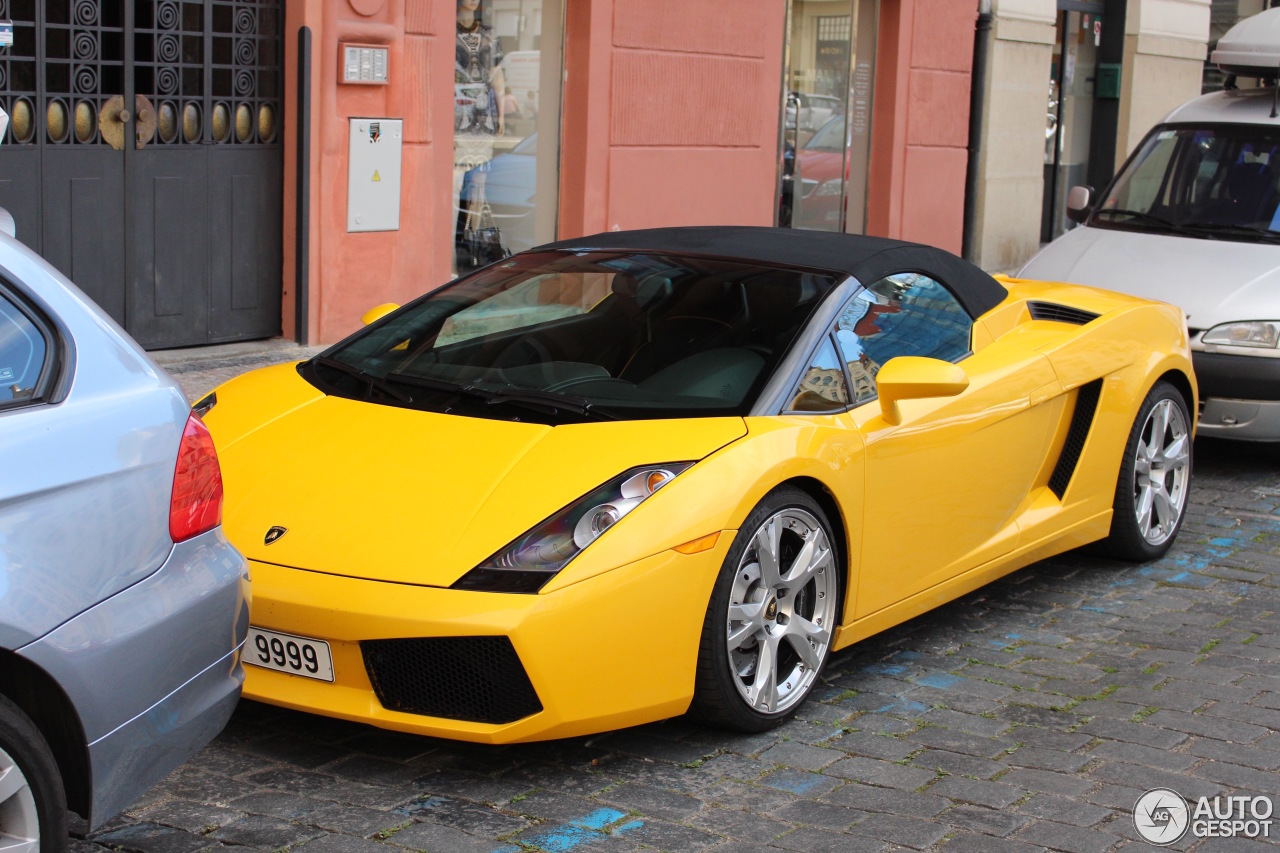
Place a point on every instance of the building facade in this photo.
(1071, 87)
(220, 170)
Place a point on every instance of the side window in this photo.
(822, 387)
(903, 314)
(23, 352)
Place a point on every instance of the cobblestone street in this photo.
(1028, 715)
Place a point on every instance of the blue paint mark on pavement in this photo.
(600, 818)
(939, 680)
(623, 829)
(885, 669)
(583, 830)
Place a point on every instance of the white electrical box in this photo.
(373, 174)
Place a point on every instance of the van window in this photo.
(1213, 182)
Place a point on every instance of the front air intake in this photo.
(475, 679)
(1060, 313)
(1077, 432)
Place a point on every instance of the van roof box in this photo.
(1252, 47)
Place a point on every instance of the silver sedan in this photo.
(122, 606)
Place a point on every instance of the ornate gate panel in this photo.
(154, 143)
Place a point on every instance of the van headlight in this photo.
(526, 564)
(1263, 334)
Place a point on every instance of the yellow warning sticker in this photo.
(376, 177)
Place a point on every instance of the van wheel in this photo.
(33, 805)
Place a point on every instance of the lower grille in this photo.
(476, 679)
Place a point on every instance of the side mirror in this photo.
(7, 225)
(377, 312)
(1078, 201)
(911, 377)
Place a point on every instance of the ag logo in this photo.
(1161, 816)
(273, 534)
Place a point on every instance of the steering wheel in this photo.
(539, 349)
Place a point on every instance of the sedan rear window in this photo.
(558, 336)
(22, 354)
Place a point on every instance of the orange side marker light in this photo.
(697, 546)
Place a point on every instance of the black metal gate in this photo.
(144, 158)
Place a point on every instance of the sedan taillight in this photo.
(196, 505)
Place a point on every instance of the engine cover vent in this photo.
(1060, 313)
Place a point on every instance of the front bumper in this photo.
(1240, 396)
(154, 671)
(615, 650)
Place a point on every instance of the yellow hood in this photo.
(386, 493)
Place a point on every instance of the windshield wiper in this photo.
(1228, 228)
(518, 396)
(532, 396)
(1139, 214)
(373, 383)
(434, 384)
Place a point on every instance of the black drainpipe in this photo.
(302, 212)
(977, 106)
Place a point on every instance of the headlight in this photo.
(831, 187)
(1257, 333)
(526, 564)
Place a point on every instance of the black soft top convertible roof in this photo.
(867, 259)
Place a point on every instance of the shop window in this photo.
(826, 114)
(506, 127)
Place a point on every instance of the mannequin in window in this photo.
(478, 74)
(479, 119)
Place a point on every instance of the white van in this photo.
(1193, 218)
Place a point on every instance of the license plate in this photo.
(288, 653)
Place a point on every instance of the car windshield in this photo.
(829, 138)
(1214, 182)
(558, 337)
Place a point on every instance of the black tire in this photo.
(717, 700)
(1127, 541)
(24, 744)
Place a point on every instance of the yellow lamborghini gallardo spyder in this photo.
(629, 476)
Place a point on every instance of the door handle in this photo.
(113, 117)
(145, 126)
(111, 121)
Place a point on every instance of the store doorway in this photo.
(1069, 118)
(828, 70)
(144, 158)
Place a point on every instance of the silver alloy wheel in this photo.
(1161, 471)
(782, 611)
(19, 820)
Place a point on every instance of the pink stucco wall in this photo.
(670, 117)
(921, 121)
(670, 113)
(351, 273)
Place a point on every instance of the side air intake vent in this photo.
(1059, 313)
(1081, 420)
(477, 679)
